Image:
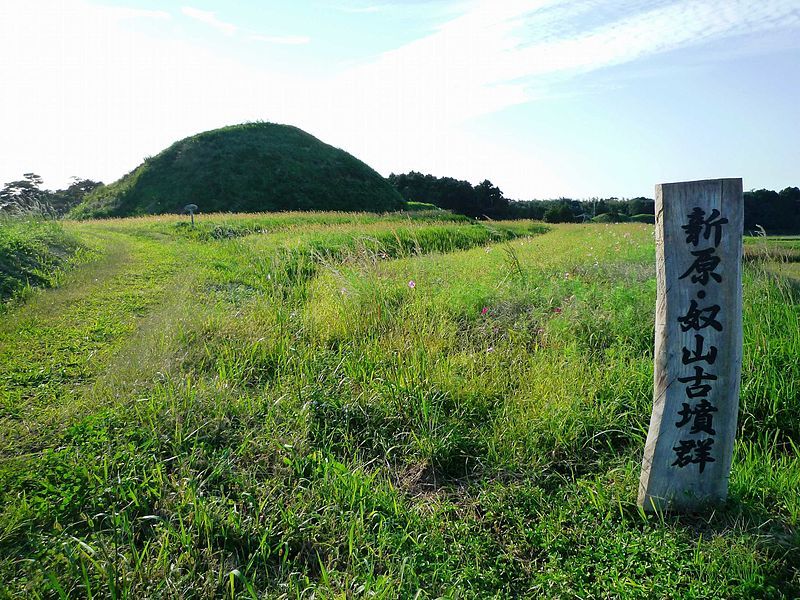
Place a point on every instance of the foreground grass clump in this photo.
(374, 408)
(33, 253)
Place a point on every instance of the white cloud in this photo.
(498, 54)
(361, 9)
(209, 18)
(287, 40)
(94, 97)
(122, 12)
(412, 103)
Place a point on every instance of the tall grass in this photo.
(33, 253)
(377, 409)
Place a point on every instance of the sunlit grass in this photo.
(34, 253)
(348, 406)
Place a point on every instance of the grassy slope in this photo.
(251, 167)
(276, 413)
(33, 253)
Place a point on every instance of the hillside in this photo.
(254, 167)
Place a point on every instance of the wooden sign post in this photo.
(698, 346)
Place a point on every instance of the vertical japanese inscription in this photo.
(698, 411)
(698, 344)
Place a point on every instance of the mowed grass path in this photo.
(52, 348)
(339, 406)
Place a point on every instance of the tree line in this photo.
(776, 212)
(484, 200)
(26, 196)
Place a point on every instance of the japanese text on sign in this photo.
(696, 416)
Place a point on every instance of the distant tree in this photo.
(641, 206)
(456, 195)
(791, 194)
(790, 203)
(445, 192)
(574, 205)
(616, 206)
(62, 201)
(777, 212)
(526, 209)
(411, 186)
(24, 196)
(761, 210)
(559, 213)
(490, 199)
(599, 206)
(27, 196)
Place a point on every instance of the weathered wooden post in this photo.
(698, 346)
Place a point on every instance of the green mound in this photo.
(611, 218)
(412, 206)
(253, 167)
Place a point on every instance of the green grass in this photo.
(412, 206)
(349, 406)
(779, 254)
(33, 253)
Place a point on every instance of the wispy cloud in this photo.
(121, 12)
(362, 9)
(289, 40)
(498, 54)
(209, 18)
(495, 55)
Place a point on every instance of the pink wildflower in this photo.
(557, 310)
(484, 310)
(412, 284)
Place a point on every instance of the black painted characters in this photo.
(696, 416)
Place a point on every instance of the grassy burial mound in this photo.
(254, 167)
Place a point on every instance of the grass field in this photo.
(347, 406)
(781, 254)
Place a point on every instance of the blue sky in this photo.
(546, 98)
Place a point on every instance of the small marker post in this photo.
(190, 208)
